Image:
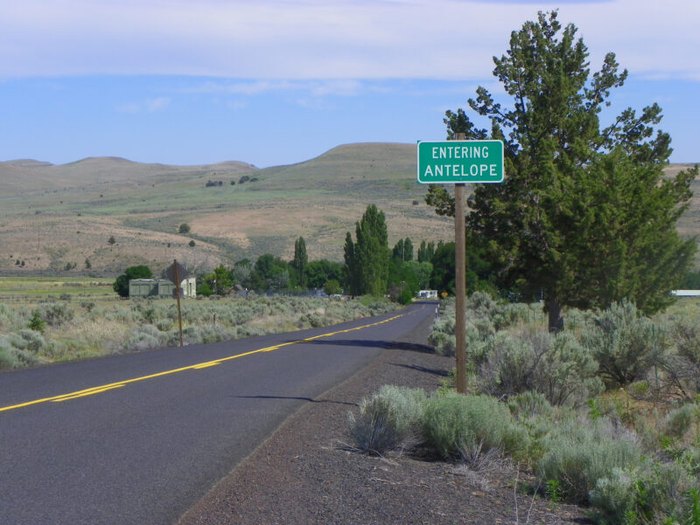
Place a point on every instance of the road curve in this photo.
(136, 439)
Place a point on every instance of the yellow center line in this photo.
(90, 392)
(199, 366)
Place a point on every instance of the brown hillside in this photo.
(54, 218)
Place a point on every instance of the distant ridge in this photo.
(27, 163)
(90, 160)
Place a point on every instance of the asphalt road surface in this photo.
(137, 439)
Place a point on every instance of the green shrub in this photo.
(680, 420)
(56, 314)
(206, 334)
(454, 425)
(683, 365)
(19, 350)
(9, 318)
(533, 360)
(651, 492)
(613, 497)
(528, 405)
(7, 356)
(625, 344)
(513, 314)
(442, 337)
(580, 452)
(36, 323)
(145, 337)
(692, 513)
(386, 419)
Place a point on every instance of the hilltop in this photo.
(54, 217)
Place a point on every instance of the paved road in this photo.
(137, 439)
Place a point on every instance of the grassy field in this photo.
(35, 289)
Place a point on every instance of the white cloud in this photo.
(313, 39)
(150, 106)
(157, 104)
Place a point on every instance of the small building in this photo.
(161, 287)
(189, 286)
(151, 288)
(427, 294)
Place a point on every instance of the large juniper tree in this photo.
(585, 215)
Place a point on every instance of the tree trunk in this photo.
(556, 321)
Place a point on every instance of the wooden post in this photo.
(460, 286)
(177, 294)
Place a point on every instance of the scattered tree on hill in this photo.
(585, 216)
(184, 228)
(367, 259)
(111, 240)
(121, 285)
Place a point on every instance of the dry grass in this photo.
(52, 217)
(55, 217)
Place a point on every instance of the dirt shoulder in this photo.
(306, 472)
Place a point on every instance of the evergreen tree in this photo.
(426, 251)
(351, 268)
(397, 252)
(585, 215)
(300, 262)
(367, 259)
(403, 250)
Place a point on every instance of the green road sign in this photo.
(460, 161)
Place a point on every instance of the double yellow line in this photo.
(199, 366)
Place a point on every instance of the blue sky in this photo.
(280, 81)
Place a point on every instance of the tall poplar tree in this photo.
(300, 261)
(586, 215)
(367, 259)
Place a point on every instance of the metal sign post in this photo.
(460, 290)
(173, 273)
(459, 162)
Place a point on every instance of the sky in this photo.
(274, 82)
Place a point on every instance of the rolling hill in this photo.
(60, 218)
(55, 217)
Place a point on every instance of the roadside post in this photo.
(460, 162)
(173, 273)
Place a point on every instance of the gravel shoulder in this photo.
(307, 473)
